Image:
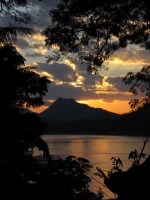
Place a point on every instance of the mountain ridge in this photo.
(64, 109)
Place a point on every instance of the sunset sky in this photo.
(105, 90)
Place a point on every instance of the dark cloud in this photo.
(92, 79)
(33, 55)
(46, 5)
(81, 66)
(42, 20)
(89, 79)
(118, 84)
(36, 45)
(68, 91)
(23, 43)
(60, 72)
(4, 20)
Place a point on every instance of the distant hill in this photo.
(69, 110)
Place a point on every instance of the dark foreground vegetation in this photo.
(130, 184)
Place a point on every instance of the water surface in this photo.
(98, 149)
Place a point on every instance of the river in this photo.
(98, 149)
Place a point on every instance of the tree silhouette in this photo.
(20, 87)
(93, 31)
(140, 82)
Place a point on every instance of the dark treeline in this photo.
(134, 123)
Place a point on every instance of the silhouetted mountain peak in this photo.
(69, 109)
(65, 100)
(63, 104)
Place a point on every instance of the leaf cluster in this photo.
(136, 156)
(21, 86)
(117, 165)
(140, 82)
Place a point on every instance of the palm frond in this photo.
(9, 35)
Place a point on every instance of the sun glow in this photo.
(39, 109)
(116, 106)
(80, 80)
(38, 37)
(70, 64)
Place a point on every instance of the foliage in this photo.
(137, 156)
(65, 179)
(10, 34)
(20, 85)
(13, 185)
(116, 169)
(18, 10)
(117, 164)
(126, 183)
(93, 31)
(140, 85)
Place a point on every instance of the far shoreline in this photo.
(139, 134)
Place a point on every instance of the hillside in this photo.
(70, 110)
(134, 124)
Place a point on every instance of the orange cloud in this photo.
(39, 109)
(38, 37)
